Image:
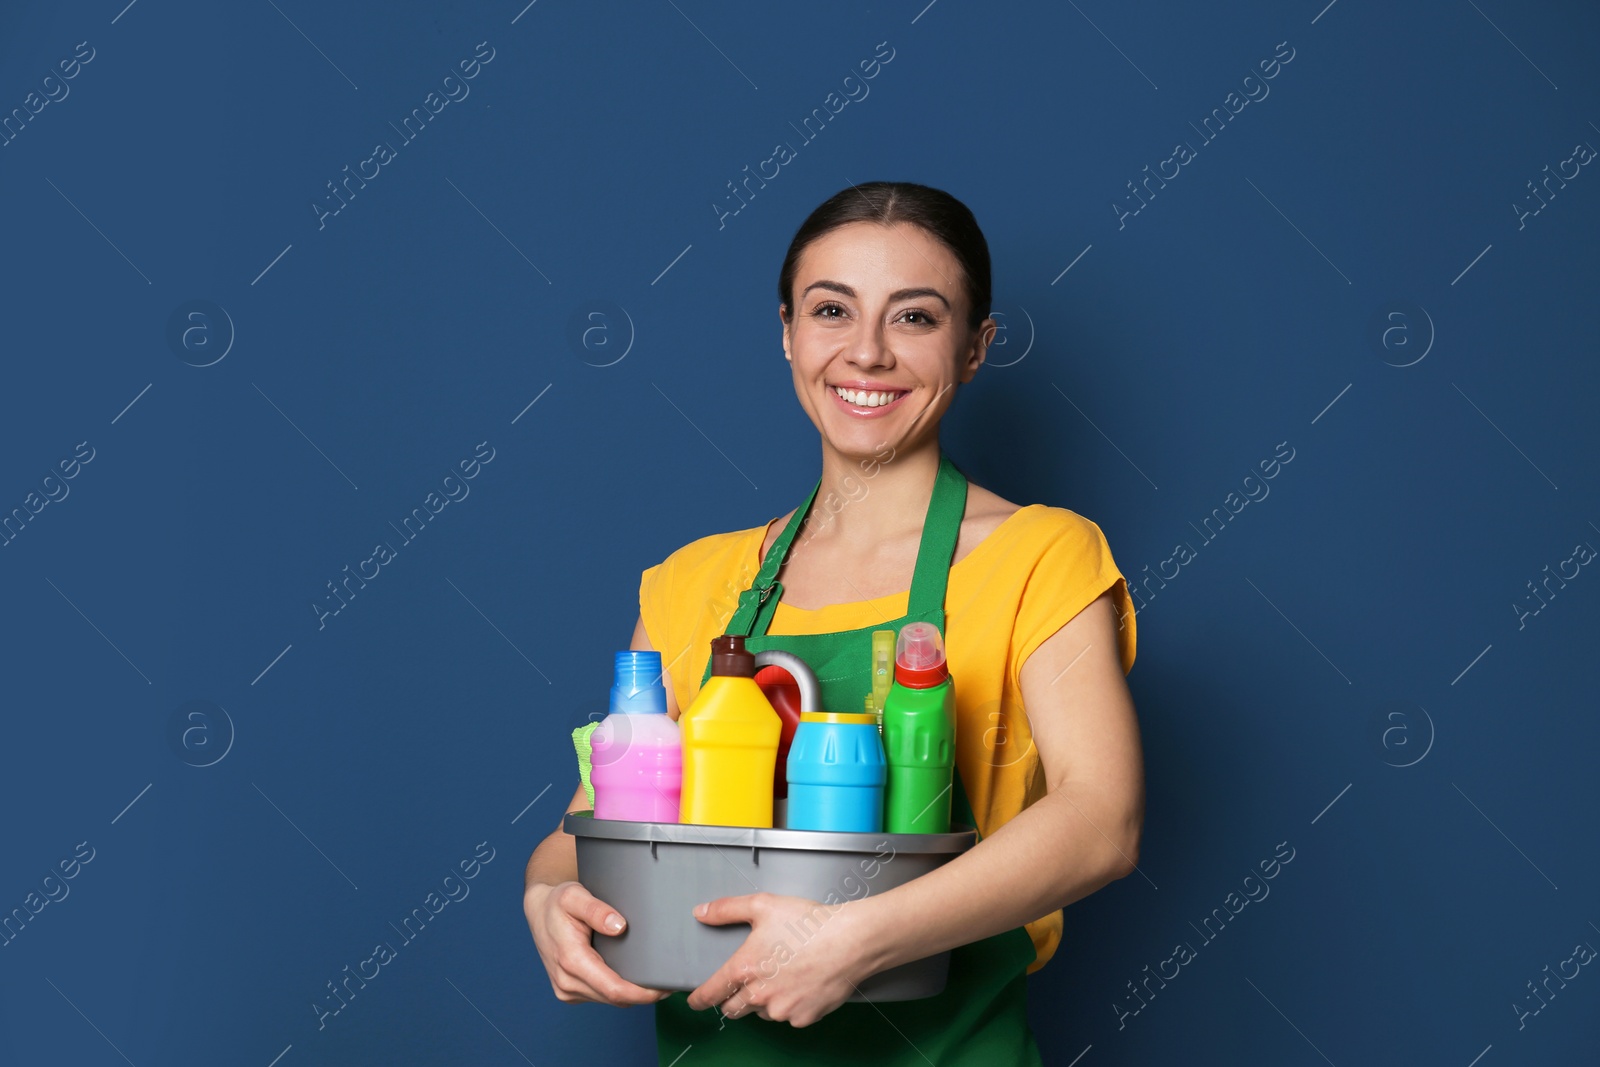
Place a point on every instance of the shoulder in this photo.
(712, 553)
(1046, 523)
(985, 513)
(1047, 565)
(1043, 541)
(703, 578)
(1040, 526)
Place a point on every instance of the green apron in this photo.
(981, 1017)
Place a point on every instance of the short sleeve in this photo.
(654, 599)
(1072, 568)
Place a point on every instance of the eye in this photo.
(918, 317)
(822, 311)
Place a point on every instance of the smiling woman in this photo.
(884, 301)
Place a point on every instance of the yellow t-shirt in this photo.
(1005, 598)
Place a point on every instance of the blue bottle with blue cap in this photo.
(836, 772)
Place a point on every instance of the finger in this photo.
(596, 913)
(726, 983)
(724, 910)
(748, 1001)
(575, 991)
(607, 987)
(596, 980)
(738, 977)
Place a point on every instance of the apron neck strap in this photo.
(940, 530)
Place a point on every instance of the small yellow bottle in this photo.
(730, 744)
(882, 671)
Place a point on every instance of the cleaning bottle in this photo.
(636, 757)
(783, 693)
(882, 672)
(791, 687)
(730, 744)
(836, 773)
(919, 735)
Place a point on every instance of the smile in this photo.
(863, 401)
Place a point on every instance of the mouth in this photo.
(867, 402)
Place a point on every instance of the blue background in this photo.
(1341, 669)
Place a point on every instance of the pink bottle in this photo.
(636, 761)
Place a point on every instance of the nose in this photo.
(869, 348)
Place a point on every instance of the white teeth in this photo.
(865, 399)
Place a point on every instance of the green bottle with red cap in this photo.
(919, 735)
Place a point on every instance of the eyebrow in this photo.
(897, 295)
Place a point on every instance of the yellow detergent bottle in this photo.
(730, 744)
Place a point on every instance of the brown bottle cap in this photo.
(729, 658)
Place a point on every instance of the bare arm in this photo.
(1082, 835)
(561, 913)
(555, 860)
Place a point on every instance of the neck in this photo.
(869, 500)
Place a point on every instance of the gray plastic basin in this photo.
(655, 873)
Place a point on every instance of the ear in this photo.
(783, 316)
(978, 350)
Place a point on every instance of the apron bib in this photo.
(981, 1017)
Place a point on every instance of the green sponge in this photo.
(580, 741)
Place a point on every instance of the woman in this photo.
(884, 299)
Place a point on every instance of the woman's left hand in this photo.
(802, 959)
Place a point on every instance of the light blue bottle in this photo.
(836, 772)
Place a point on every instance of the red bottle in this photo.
(791, 688)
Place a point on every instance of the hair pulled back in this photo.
(935, 211)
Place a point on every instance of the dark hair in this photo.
(934, 210)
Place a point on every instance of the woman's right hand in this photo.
(561, 918)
